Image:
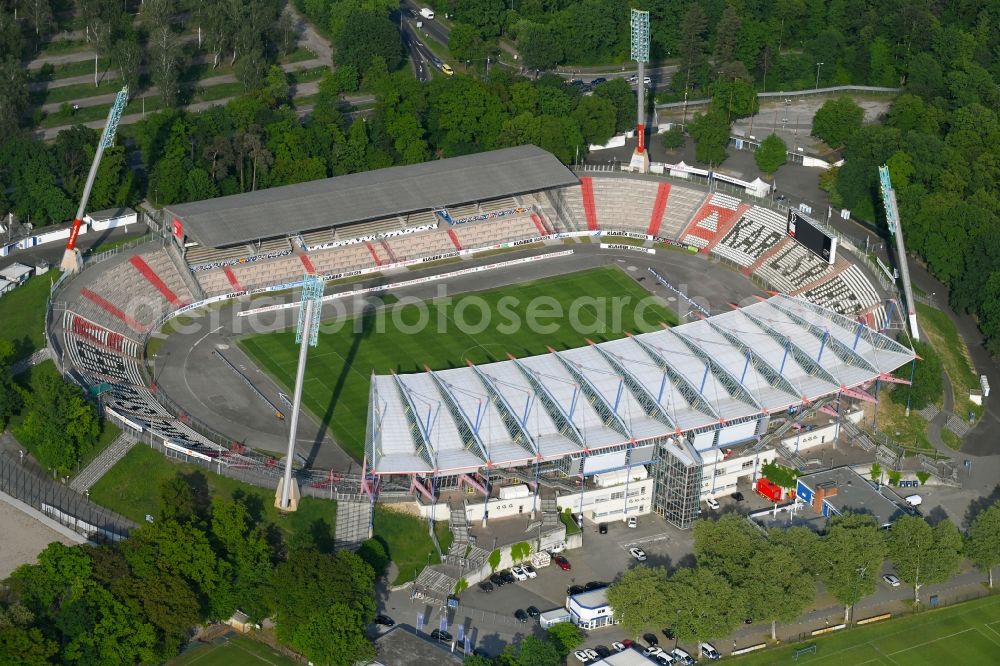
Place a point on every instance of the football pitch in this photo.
(966, 634)
(599, 304)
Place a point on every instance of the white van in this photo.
(427, 13)
(914, 500)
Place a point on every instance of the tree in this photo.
(333, 635)
(776, 572)
(982, 543)
(923, 554)
(622, 98)
(692, 44)
(727, 35)
(565, 636)
(736, 96)
(484, 15)
(114, 184)
(10, 399)
(710, 132)
(476, 660)
(26, 646)
(465, 43)
(596, 118)
(13, 95)
(837, 120)
(725, 546)
(538, 46)
(771, 154)
(693, 619)
(39, 15)
(850, 557)
(366, 35)
(673, 138)
(638, 598)
(164, 51)
(128, 57)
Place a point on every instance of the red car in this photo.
(562, 562)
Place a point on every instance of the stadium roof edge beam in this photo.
(369, 195)
(545, 407)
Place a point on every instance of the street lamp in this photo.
(818, 65)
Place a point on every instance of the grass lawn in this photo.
(443, 535)
(407, 541)
(951, 439)
(966, 633)
(906, 430)
(22, 313)
(69, 69)
(623, 240)
(505, 250)
(236, 651)
(338, 375)
(132, 488)
(430, 264)
(940, 331)
(568, 520)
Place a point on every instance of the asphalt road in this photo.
(53, 252)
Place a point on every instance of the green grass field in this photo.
(339, 369)
(22, 313)
(942, 334)
(966, 634)
(407, 541)
(236, 651)
(132, 488)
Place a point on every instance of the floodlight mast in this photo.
(640, 53)
(72, 261)
(306, 334)
(892, 220)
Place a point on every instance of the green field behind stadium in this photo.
(339, 368)
(966, 634)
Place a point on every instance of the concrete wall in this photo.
(819, 435)
(608, 504)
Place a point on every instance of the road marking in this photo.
(650, 539)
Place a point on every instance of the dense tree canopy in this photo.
(837, 120)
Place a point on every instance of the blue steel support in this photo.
(746, 366)
(822, 346)
(663, 386)
(618, 398)
(704, 378)
(572, 404)
(857, 336)
(784, 357)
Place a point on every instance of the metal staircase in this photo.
(353, 522)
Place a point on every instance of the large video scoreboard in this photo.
(809, 233)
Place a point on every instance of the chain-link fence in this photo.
(60, 502)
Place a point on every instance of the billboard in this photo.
(807, 232)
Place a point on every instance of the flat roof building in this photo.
(839, 490)
(401, 647)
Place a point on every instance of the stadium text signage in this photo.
(630, 248)
(628, 234)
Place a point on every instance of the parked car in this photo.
(533, 611)
(530, 570)
(891, 580)
(497, 580)
(914, 500)
(507, 577)
(575, 589)
(558, 548)
(594, 585)
(682, 657)
(562, 562)
(712, 503)
(633, 79)
(582, 656)
(447, 70)
(633, 522)
(598, 81)
(519, 573)
(709, 652)
(384, 620)
(602, 651)
(618, 647)
(521, 615)
(651, 639)
(441, 635)
(664, 658)
(486, 586)
(738, 496)
(603, 528)
(638, 553)
(651, 651)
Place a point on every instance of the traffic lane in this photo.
(418, 59)
(432, 27)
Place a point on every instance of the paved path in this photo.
(309, 38)
(939, 420)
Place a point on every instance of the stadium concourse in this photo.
(374, 223)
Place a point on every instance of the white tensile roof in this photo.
(735, 366)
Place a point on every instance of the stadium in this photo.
(751, 327)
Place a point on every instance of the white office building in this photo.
(590, 610)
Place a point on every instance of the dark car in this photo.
(575, 589)
(486, 586)
(577, 83)
(603, 528)
(738, 496)
(441, 635)
(521, 615)
(669, 633)
(507, 577)
(497, 580)
(598, 81)
(384, 620)
(650, 639)
(594, 585)
(602, 651)
(562, 562)
(533, 611)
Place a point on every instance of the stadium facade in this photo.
(668, 399)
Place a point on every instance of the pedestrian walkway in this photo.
(100, 465)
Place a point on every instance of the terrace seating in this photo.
(623, 204)
(750, 237)
(416, 246)
(166, 271)
(681, 205)
(499, 204)
(101, 363)
(848, 292)
(88, 330)
(792, 267)
(573, 199)
(713, 219)
(495, 232)
(343, 259)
